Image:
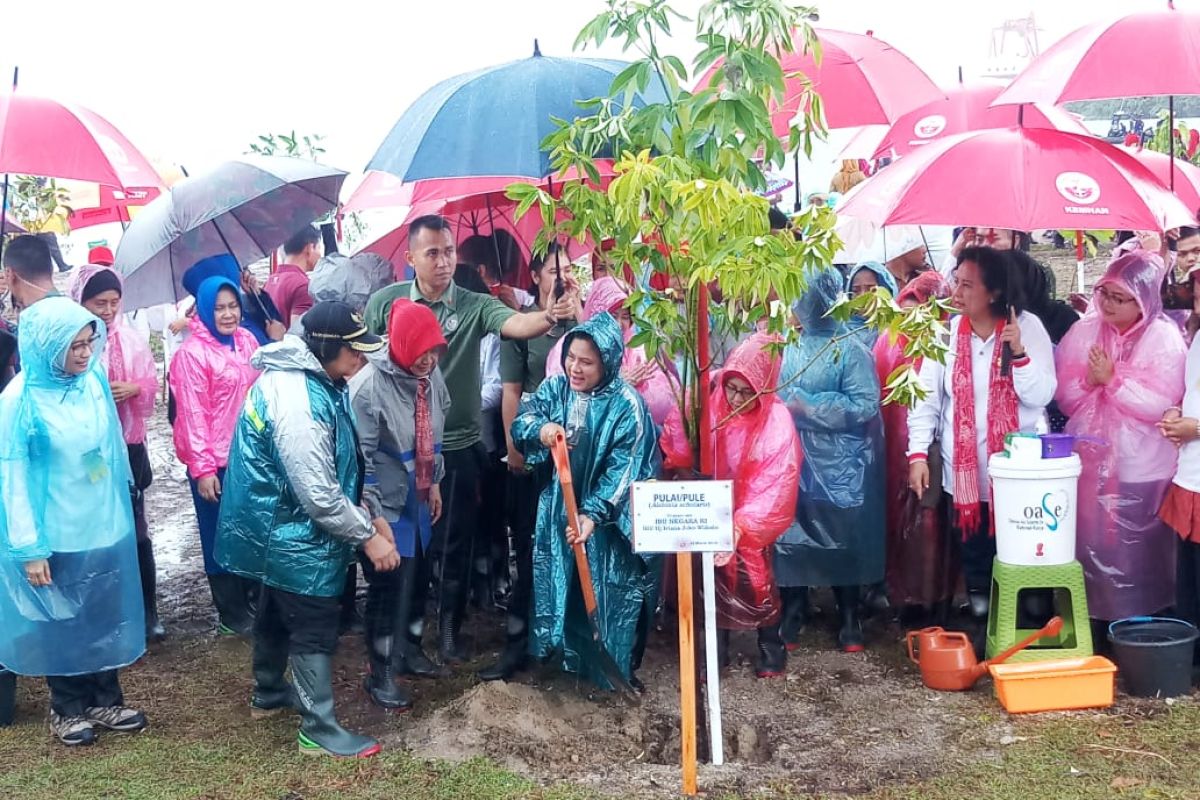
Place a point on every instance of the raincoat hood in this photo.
(206, 304)
(47, 330)
(1139, 273)
(823, 290)
(885, 278)
(604, 295)
(290, 354)
(754, 363)
(605, 333)
(83, 276)
(925, 286)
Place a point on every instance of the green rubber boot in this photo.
(320, 733)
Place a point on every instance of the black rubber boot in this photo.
(795, 614)
(978, 603)
(149, 573)
(380, 682)
(850, 635)
(349, 620)
(320, 734)
(450, 649)
(772, 655)
(231, 596)
(8, 697)
(272, 692)
(513, 659)
(875, 599)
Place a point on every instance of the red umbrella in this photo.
(861, 80)
(968, 108)
(113, 205)
(1186, 179)
(1020, 178)
(1147, 53)
(39, 136)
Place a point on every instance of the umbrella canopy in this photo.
(39, 136)
(1020, 178)
(1147, 53)
(94, 204)
(861, 80)
(1186, 179)
(968, 108)
(246, 207)
(492, 122)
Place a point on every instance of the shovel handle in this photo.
(562, 463)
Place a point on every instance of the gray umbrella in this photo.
(246, 207)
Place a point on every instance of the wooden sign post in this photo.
(685, 517)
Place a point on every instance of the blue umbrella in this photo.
(493, 121)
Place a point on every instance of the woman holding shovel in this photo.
(612, 444)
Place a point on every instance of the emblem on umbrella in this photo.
(1078, 187)
(929, 127)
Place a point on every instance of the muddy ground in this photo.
(835, 723)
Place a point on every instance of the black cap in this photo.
(333, 320)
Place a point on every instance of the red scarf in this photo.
(1001, 420)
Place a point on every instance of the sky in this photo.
(195, 83)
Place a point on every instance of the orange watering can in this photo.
(947, 658)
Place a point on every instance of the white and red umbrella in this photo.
(1185, 180)
(968, 108)
(1147, 53)
(861, 80)
(1019, 178)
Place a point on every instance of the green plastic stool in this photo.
(1070, 603)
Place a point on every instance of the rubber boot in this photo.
(380, 682)
(978, 603)
(450, 649)
(850, 635)
(320, 734)
(772, 654)
(8, 697)
(230, 595)
(149, 573)
(272, 692)
(349, 620)
(875, 599)
(795, 614)
(512, 660)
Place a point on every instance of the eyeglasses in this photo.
(1104, 295)
(733, 393)
(86, 346)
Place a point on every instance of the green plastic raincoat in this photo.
(613, 443)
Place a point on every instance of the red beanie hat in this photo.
(413, 331)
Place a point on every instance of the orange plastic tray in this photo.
(1058, 685)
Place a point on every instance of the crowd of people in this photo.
(411, 438)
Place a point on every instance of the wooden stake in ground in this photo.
(687, 674)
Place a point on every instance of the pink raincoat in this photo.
(210, 382)
(661, 389)
(126, 358)
(1128, 555)
(760, 451)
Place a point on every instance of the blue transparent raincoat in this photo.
(64, 486)
(832, 392)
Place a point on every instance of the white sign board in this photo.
(683, 516)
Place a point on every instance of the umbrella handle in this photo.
(562, 463)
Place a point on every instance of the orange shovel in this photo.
(562, 462)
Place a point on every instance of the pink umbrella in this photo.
(1186, 179)
(1020, 178)
(968, 108)
(861, 80)
(39, 136)
(1147, 53)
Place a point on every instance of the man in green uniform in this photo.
(465, 317)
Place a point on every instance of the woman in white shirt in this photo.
(972, 404)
